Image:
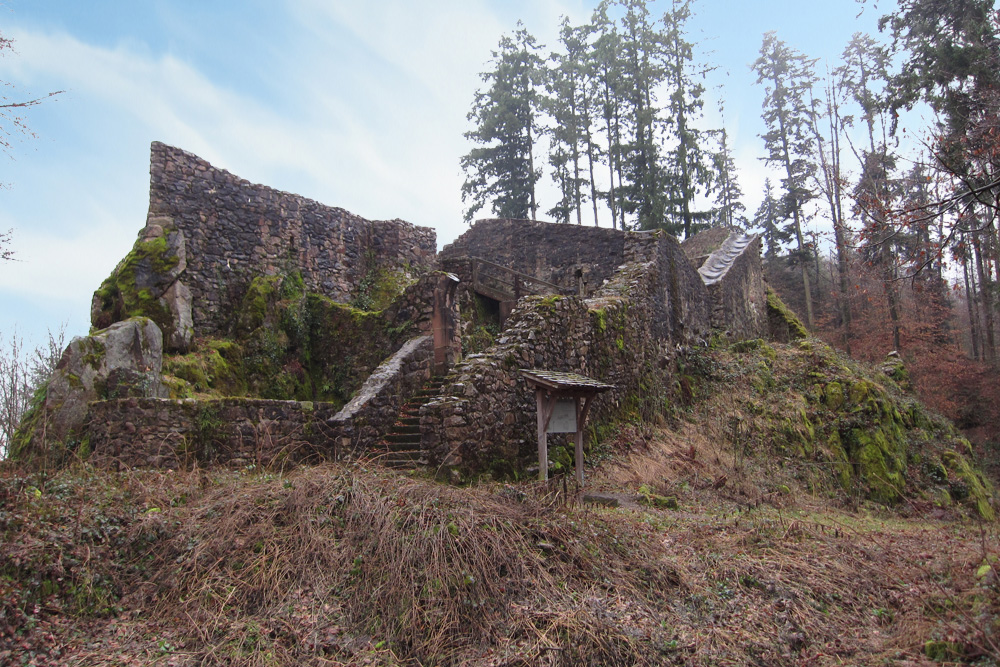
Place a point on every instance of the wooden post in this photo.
(543, 445)
(579, 441)
(545, 405)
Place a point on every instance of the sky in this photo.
(359, 104)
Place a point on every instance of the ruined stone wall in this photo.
(549, 251)
(739, 304)
(232, 228)
(169, 433)
(626, 335)
(679, 303)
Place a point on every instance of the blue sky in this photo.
(356, 104)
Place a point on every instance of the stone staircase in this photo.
(400, 448)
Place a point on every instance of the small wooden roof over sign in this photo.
(552, 388)
(565, 384)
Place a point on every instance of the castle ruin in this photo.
(327, 335)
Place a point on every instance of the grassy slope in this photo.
(762, 562)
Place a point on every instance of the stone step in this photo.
(402, 452)
(402, 437)
(400, 428)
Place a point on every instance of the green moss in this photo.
(833, 395)
(977, 488)
(876, 465)
(19, 448)
(783, 317)
(206, 371)
(121, 298)
(653, 499)
(600, 317)
(380, 286)
(744, 346)
(941, 651)
(550, 301)
(841, 463)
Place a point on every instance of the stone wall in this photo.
(241, 431)
(375, 408)
(169, 433)
(625, 335)
(739, 304)
(549, 251)
(220, 230)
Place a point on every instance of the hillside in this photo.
(731, 532)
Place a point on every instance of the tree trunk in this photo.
(590, 166)
(970, 302)
(989, 347)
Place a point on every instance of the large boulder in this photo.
(147, 283)
(120, 361)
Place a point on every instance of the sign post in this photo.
(563, 402)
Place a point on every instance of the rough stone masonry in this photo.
(209, 233)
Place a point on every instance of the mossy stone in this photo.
(833, 395)
(784, 323)
(941, 651)
(978, 488)
(653, 499)
(876, 466)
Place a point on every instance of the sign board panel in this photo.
(563, 416)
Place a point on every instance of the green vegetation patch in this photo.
(784, 323)
(121, 298)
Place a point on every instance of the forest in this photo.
(883, 237)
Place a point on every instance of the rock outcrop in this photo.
(119, 361)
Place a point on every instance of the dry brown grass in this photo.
(760, 564)
(343, 565)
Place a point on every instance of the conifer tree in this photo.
(567, 103)
(768, 218)
(642, 192)
(500, 171)
(688, 164)
(788, 78)
(730, 211)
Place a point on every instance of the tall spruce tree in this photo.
(500, 171)
(689, 168)
(730, 211)
(567, 103)
(788, 78)
(605, 66)
(642, 192)
(769, 218)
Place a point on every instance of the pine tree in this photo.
(688, 164)
(606, 70)
(500, 171)
(788, 78)
(642, 192)
(567, 104)
(730, 211)
(768, 218)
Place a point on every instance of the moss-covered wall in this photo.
(224, 232)
(282, 342)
